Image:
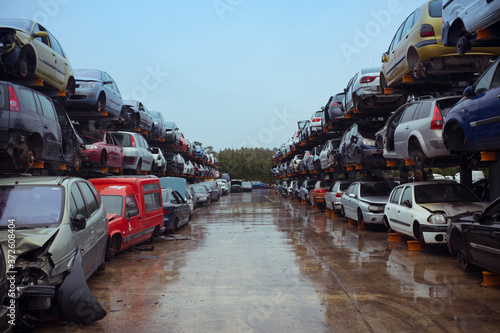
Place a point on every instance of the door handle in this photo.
(399, 211)
(45, 126)
(407, 127)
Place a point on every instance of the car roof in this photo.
(39, 180)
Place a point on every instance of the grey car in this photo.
(136, 115)
(95, 91)
(138, 157)
(364, 201)
(59, 242)
(200, 195)
(415, 130)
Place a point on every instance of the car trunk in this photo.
(4, 113)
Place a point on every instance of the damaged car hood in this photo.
(454, 208)
(27, 239)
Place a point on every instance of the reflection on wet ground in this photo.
(257, 262)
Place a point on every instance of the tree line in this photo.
(247, 163)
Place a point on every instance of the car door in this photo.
(484, 238)
(52, 137)
(60, 62)
(350, 201)
(182, 208)
(392, 207)
(392, 123)
(404, 211)
(113, 98)
(403, 130)
(111, 150)
(133, 217)
(46, 67)
(481, 111)
(392, 60)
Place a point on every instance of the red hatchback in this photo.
(135, 210)
(102, 150)
(317, 194)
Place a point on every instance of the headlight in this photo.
(376, 209)
(438, 218)
(369, 142)
(87, 85)
(91, 147)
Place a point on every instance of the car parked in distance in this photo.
(180, 164)
(246, 186)
(176, 211)
(463, 18)
(313, 161)
(307, 185)
(134, 208)
(329, 156)
(364, 201)
(415, 130)
(138, 158)
(317, 194)
(472, 124)
(334, 195)
(200, 194)
(236, 186)
(160, 163)
(213, 189)
(422, 210)
(66, 227)
(315, 126)
(358, 145)
(136, 116)
(417, 51)
(334, 109)
(256, 184)
(159, 132)
(172, 133)
(363, 92)
(473, 238)
(102, 150)
(35, 128)
(96, 95)
(29, 51)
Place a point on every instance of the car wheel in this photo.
(112, 248)
(22, 66)
(101, 103)
(70, 88)
(357, 156)
(418, 156)
(454, 138)
(104, 159)
(382, 83)
(342, 211)
(386, 223)
(416, 231)
(463, 45)
(463, 259)
(176, 224)
(138, 169)
(360, 217)
(190, 216)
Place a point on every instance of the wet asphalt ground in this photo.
(258, 262)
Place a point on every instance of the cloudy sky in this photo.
(230, 73)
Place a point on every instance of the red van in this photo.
(135, 210)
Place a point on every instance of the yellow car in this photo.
(417, 53)
(28, 51)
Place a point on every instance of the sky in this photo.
(229, 73)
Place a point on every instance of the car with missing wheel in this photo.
(96, 95)
(138, 157)
(28, 50)
(134, 210)
(415, 130)
(423, 210)
(358, 145)
(34, 128)
(474, 238)
(102, 150)
(60, 241)
(417, 53)
(135, 115)
(176, 211)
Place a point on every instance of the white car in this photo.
(463, 18)
(224, 186)
(138, 158)
(334, 195)
(423, 210)
(160, 163)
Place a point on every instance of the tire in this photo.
(112, 248)
(463, 259)
(386, 223)
(176, 224)
(454, 138)
(104, 159)
(360, 217)
(101, 103)
(418, 156)
(416, 231)
(138, 169)
(463, 45)
(342, 211)
(382, 83)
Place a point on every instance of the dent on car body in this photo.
(75, 300)
(30, 239)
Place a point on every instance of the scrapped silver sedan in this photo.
(364, 201)
(423, 210)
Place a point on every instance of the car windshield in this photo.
(113, 204)
(326, 184)
(375, 189)
(88, 73)
(17, 23)
(169, 125)
(431, 193)
(124, 139)
(436, 8)
(200, 189)
(368, 131)
(154, 114)
(235, 182)
(45, 206)
(246, 184)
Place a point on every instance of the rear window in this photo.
(435, 8)
(446, 104)
(326, 184)
(375, 70)
(319, 114)
(124, 139)
(28, 100)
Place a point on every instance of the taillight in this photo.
(13, 103)
(132, 144)
(437, 119)
(165, 211)
(426, 30)
(315, 120)
(367, 79)
(338, 195)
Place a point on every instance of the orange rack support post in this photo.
(414, 246)
(491, 279)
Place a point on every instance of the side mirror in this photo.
(107, 82)
(469, 92)
(384, 57)
(79, 222)
(352, 195)
(41, 34)
(407, 203)
(478, 216)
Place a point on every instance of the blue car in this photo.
(95, 91)
(473, 124)
(358, 145)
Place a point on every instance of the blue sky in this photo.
(230, 73)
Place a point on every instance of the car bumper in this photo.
(434, 234)
(130, 162)
(373, 218)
